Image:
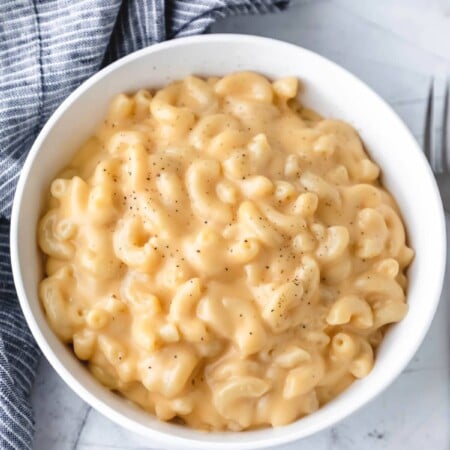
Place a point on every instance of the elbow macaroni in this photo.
(221, 255)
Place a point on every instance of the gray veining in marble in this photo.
(395, 46)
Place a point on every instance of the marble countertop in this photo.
(395, 46)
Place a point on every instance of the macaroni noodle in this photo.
(221, 255)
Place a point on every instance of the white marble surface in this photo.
(396, 46)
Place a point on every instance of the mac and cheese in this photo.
(221, 255)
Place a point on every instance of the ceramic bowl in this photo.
(327, 88)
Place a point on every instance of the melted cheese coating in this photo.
(221, 255)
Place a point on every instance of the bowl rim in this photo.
(106, 409)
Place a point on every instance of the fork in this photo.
(436, 138)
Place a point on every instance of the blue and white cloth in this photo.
(47, 49)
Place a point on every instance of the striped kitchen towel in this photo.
(47, 49)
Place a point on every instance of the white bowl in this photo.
(328, 89)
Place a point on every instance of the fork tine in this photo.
(446, 128)
(428, 131)
(435, 127)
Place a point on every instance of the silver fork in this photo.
(436, 137)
